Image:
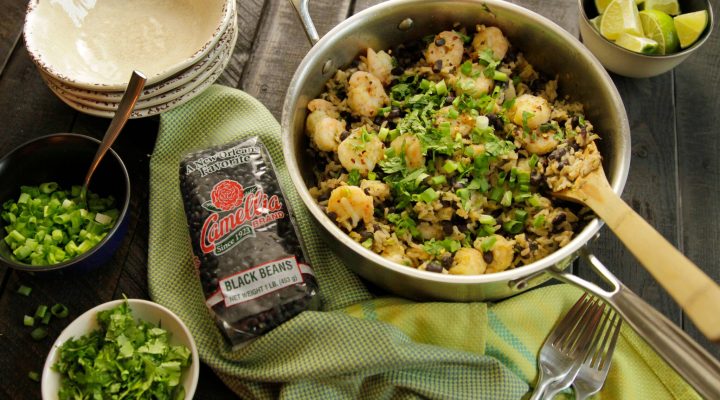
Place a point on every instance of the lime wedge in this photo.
(595, 22)
(660, 27)
(667, 6)
(690, 26)
(601, 5)
(637, 44)
(621, 16)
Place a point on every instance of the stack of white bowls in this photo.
(86, 50)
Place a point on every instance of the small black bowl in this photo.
(64, 158)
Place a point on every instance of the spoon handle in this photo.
(692, 289)
(127, 103)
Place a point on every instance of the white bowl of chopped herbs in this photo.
(130, 348)
(44, 224)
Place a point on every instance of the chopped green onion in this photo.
(452, 113)
(34, 376)
(24, 290)
(506, 199)
(441, 88)
(39, 333)
(438, 179)
(24, 198)
(59, 310)
(41, 311)
(486, 219)
(488, 243)
(450, 166)
(48, 187)
(46, 319)
(539, 220)
(367, 243)
(500, 76)
(497, 193)
(429, 195)
(372, 176)
(520, 215)
(28, 320)
(534, 201)
(513, 227)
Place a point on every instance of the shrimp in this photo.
(490, 37)
(446, 49)
(380, 64)
(502, 254)
(361, 151)
(536, 111)
(348, 205)
(366, 95)
(476, 84)
(467, 261)
(462, 124)
(323, 125)
(409, 146)
(540, 143)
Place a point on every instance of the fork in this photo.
(590, 376)
(564, 349)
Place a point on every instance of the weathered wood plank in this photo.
(248, 20)
(697, 82)
(13, 14)
(282, 47)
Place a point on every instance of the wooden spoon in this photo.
(692, 289)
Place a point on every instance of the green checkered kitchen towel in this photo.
(359, 346)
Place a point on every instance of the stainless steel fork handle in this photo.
(303, 11)
(680, 351)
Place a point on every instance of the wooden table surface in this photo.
(674, 177)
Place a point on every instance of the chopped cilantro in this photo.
(354, 177)
(123, 358)
(525, 117)
(403, 224)
(436, 247)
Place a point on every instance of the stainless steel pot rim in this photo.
(569, 250)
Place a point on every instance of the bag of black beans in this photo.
(247, 248)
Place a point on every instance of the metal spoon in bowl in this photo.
(124, 110)
(696, 293)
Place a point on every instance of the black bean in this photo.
(447, 227)
(536, 178)
(446, 259)
(559, 219)
(437, 67)
(344, 135)
(378, 120)
(496, 121)
(394, 113)
(558, 153)
(433, 266)
(459, 184)
(324, 196)
(511, 54)
(488, 257)
(449, 99)
(360, 225)
(440, 42)
(365, 235)
(332, 215)
(397, 71)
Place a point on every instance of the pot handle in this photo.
(678, 349)
(303, 12)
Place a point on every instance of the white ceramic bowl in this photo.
(628, 63)
(212, 59)
(141, 309)
(95, 45)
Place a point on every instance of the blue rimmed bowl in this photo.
(64, 158)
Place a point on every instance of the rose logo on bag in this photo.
(235, 213)
(227, 195)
